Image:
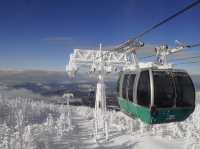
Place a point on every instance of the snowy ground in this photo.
(26, 124)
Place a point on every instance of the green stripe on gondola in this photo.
(162, 115)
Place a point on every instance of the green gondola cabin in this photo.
(156, 95)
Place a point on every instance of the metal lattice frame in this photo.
(91, 59)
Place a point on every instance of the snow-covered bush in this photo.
(23, 121)
(188, 129)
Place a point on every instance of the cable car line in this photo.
(185, 46)
(193, 46)
(178, 59)
(168, 19)
(191, 62)
(130, 41)
(185, 58)
(149, 56)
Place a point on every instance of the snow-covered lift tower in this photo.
(163, 51)
(103, 62)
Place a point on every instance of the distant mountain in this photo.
(39, 76)
(46, 84)
(51, 83)
(10, 77)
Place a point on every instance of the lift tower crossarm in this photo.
(114, 59)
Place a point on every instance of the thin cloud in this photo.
(66, 41)
(57, 39)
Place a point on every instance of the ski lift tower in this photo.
(101, 63)
(163, 51)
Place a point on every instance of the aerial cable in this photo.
(148, 56)
(127, 43)
(193, 46)
(167, 19)
(190, 62)
(185, 46)
(130, 41)
(185, 58)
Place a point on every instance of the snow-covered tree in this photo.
(50, 123)
(61, 124)
(28, 138)
(6, 137)
(20, 127)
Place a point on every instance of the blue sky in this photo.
(40, 34)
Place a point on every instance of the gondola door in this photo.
(144, 96)
(124, 100)
(131, 86)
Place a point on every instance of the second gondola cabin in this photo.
(156, 95)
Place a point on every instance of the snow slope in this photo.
(27, 124)
(128, 133)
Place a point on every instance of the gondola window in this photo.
(124, 86)
(164, 89)
(185, 90)
(143, 91)
(130, 87)
(118, 84)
